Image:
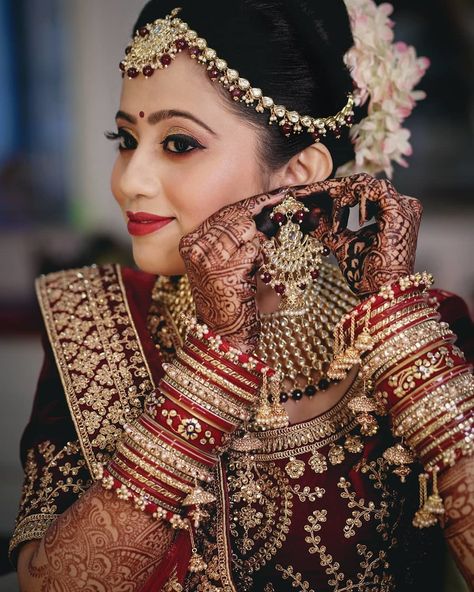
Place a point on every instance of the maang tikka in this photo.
(292, 258)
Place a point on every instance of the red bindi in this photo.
(142, 114)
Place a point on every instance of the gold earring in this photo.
(292, 258)
(270, 413)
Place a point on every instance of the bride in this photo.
(242, 414)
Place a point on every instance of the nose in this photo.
(140, 177)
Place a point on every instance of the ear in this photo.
(311, 165)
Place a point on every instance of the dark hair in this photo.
(292, 49)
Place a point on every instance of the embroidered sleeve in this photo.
(55, 470)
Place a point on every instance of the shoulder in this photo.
(69, 280)
(111, 286)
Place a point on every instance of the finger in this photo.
(363, 209)
(256, 203)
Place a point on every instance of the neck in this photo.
(267, 299)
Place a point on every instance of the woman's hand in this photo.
(221, 258)
(376, 254)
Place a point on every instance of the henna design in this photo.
(100, 543)
(221, 257)
(375, 254)
(456, 486)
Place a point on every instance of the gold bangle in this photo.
(422, 433)
(142, 479)
(140, 493)
(178, 460)
(461, 382)
(220, 366)
(220, 380)
(194, 399)
(400, 346)
(448, 456)
(460, 428)
(400, 313)
(152, 470)
(217, 399)
(193, 412)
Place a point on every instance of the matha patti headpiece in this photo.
(156, 45)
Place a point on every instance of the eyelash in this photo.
(125, 137)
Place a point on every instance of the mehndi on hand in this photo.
(221, 258)
(376, 254)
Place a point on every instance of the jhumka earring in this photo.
(270, 413)
(291, 257)
(431, 506)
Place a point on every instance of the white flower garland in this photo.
(384, 74)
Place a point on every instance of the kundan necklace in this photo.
(299, 343)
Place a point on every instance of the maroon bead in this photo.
(287, 129)
(323, 384)
(298, 216)
(236, 93)
(165, 59)
(181, 44)
(297, 395)
(132, 72)
(279, 218)
(337, 131)
(280, 289)
(148, 71)
(266, 277)
(128, 49)
(283, 397)
(350, 119)
(302, 287)
(214, 73)
(314, 274)
(143, 31)
(122, 66)
(310, 390)
(325, 252)
(316, 136)
(195, 52)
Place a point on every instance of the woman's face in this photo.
(183, 156)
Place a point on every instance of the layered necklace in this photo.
(299, 343)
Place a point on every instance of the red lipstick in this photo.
(142, 223)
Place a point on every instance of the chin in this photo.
(164, 263)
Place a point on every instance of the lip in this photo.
(142, 223)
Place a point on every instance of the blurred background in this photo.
(59, 92)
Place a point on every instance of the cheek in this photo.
(115, 182)
(215, 182)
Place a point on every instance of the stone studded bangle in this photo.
(166, 453)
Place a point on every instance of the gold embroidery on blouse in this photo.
(306, 493)
(296, 578)
(48, 474)
(98, 352)
(363, 511)
(265, 520)
(371, 563)
(172, 584)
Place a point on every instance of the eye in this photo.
(180, 143)
(126, 140)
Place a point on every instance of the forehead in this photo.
(183, 85)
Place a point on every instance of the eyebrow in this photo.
(158, 116)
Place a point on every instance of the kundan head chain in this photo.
(156, 45)
(376, 65)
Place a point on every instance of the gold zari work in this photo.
(337, 488)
